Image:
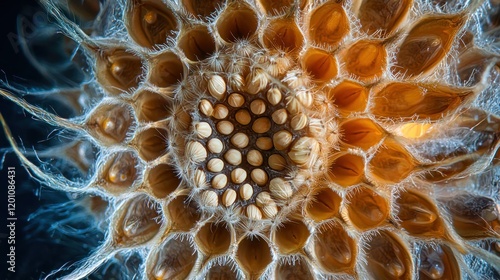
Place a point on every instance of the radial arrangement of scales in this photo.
(258, 139)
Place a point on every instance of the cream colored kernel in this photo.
(225, 127)
(219, 181)
(215, 145)
(217, 87)
(254, 158)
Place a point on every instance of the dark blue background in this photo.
(42, 251)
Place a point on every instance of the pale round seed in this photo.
(203, 129)
(225, 127)
(240, 140)
(305, 151)
(256, 81)
(258, 106)
(263, 199)
(219, 181)
(274, 96)
(195, 151)
(253, 212)
(280, 116)
(209, 198)
(206, 108)
(236, 100)
(282, 139)
(220, 112)
(261, 125)
(298, 121)
(293, 105)
(238, 175)
(270, 210)
(215, 145)
(243, 117)
(228, 197)
(259, 176)
(246, 191)
(217, 87)
(236, 81)
(277, 162)
(215, 165)
(233, 157)
(305, 98)
(200, 178)
(280, 189)
(316, 128)
(255, 158)
(264, 143)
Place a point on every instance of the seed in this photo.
(203, 129)
(305, 151)
(316, 128)
(206, 107)
(258, 106)
(299, 121)
(209, 198)
(225, 127)
(261, 125)
(263, 199)
(253, 212)
(254, 158)
(238, 176)
(219, 181)
(280, 189)
(282, 139)
(305, 98)
(243, 117)
(264, 143)
(293, 105)
(259, 176)
(228, 197)
(280, 116)
(217, 87)
(274, 96)
(236, 100)
(240, 140)
(246, 191)
(270, 210)
(200, 178)
(220, 112)
(277, 162)
(236, 81)
(215, 145)
(256, 81)
(195, 151)
(233, 157)
(215, 165)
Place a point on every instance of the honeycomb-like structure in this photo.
(258, 139)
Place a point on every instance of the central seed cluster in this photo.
(247, 142)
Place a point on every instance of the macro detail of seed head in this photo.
(299, 139)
